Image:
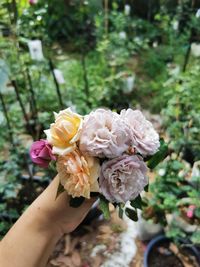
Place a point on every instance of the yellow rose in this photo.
(65, 132)
(78, 174)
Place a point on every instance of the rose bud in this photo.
(41, 153)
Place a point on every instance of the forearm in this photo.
(31, 240)
(23, 247)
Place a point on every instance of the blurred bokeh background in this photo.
(104, 53)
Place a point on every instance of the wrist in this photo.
(52, 212)
(54, 215)
(39, 219)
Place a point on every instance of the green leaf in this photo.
(195, 238)
(52, 165)
(60, 190)
(197, 213)
(146, 188)
(104, 206)
(132, 214)
(76, 202)
(136, 203)
(159, 156)
(121, 211)
(94, 194)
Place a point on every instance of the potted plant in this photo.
(173, 199)
(162, 251)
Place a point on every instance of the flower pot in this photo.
(158, 253)
(147, 229)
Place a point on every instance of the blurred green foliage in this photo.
(182, 109)
(98, 46)
(173, 193)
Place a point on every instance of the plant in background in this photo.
(98, 48)
(181, 117)
(183, 110)
(173, 200)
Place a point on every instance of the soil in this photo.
(89, 245)
(169, 255)
(162, 257)
(138, 259)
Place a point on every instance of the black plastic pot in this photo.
(161, 239)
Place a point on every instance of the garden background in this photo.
(116, 54)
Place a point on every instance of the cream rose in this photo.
(65, 132)
(78, 174)
(104, 134)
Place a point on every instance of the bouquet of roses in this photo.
(100, 154)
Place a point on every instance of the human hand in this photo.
(56, 213)
(32, 238)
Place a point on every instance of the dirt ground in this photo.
(90, 246)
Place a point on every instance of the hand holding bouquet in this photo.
(100, 154)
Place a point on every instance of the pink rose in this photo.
(104, 134)
(41, 153)
(123, 178)
(190, 211)
(144, 137)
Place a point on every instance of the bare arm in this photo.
(31, 240)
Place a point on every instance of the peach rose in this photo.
(65, 132)
(78, 174)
